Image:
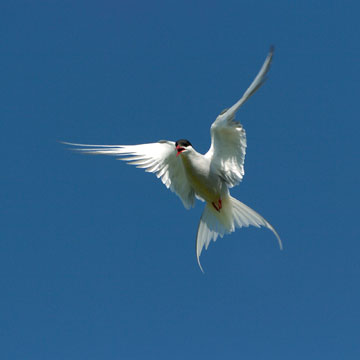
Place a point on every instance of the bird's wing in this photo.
(159, 158)
(228, 138)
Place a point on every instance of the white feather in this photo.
(207, 177)
(228, 138)
(159, 158)
(234, 214)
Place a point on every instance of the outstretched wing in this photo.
(159, 158)
(228, 137)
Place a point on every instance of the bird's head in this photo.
(182, 145)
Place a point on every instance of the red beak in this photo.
(179, 150)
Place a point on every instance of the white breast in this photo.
(205, 183)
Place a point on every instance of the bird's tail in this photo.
(233, 214)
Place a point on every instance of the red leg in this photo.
(217, 207)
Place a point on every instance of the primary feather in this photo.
(158, 158)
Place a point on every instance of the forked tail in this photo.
(233, 214)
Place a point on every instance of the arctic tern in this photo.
(207, 177)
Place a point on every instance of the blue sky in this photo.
(97, 258)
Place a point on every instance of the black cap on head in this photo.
(183, 142)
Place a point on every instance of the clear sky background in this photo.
(97, 258)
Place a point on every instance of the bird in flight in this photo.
(206, 177)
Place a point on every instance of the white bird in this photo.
(207, 177)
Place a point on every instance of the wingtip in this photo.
(69, 146)
(271, 54)
(64, 142)
(72, 146)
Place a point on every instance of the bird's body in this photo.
(207, 185)
(207, 177)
